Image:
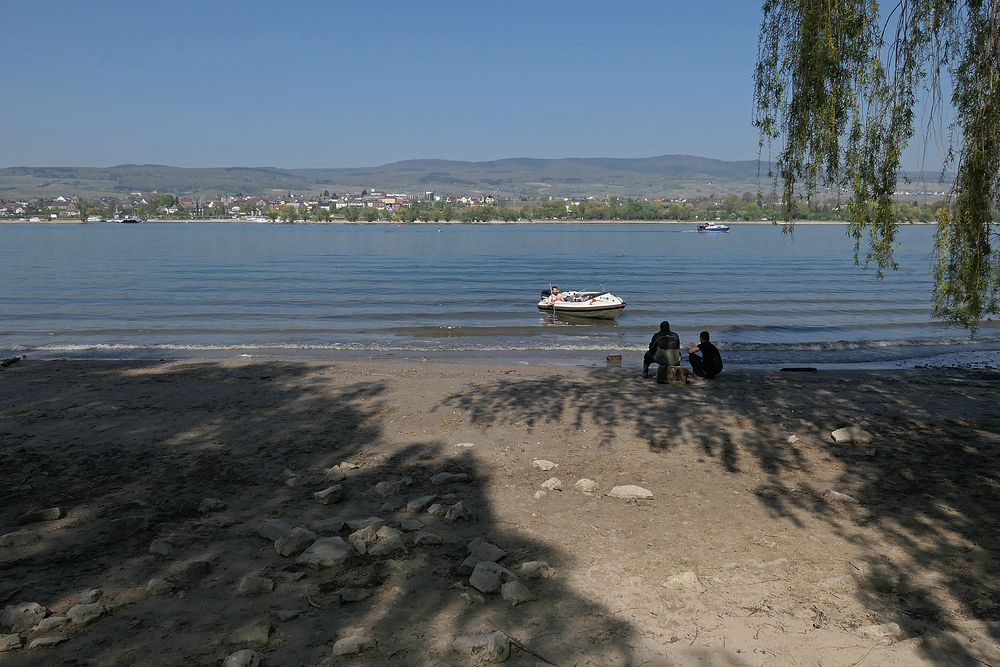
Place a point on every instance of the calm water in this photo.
(174, 290)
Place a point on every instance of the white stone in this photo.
(830, 494)
(552, 484)
(631, 492)
(46, 642)
(368, 535)
(410, 525)
(536, 569)
(424, 538)
(493, 647)
(22, 616)
(852, 434)
(254, 585)
(544, 465)
(353, 645)
(448, 477)
(90, 596)
(389, 545)
(159, 586)
(386, 531)
(465, 444)
(457, 512)
(334, 474)
(330, 495)
(587, 486)
(51, 623)
(488, 576)
(792, 439)
(485, 551)
(85, 614)
(244, 658)
(294, 542)
(10, 642)
(325, 552)
(18, 538)
(539, 495)
(358, 524)
(327, 526)
(418, 504)
(515, 593)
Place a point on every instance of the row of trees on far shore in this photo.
(729, 208)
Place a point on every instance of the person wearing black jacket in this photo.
(664, 348)
(709, 363)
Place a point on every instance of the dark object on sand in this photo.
(671, 375)
(799, 369)
(10, 361)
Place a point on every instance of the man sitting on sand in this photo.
(664, 349)
(709, 363)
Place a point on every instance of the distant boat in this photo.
(94, 218)
(713, 227)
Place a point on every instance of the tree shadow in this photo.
(105, 441)
(926, 487)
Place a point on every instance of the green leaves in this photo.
(840, 96)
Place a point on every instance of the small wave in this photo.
(476, 344)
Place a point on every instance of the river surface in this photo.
(174, 290)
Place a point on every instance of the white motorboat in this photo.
(713, 227)
(603, 305)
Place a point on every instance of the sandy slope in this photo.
(740, 559)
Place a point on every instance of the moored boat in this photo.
(596, 304)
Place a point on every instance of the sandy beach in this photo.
(178, 513)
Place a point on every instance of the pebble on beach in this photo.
(552, 484)
(851, 435)
(244, 658)
(18, 538)
(631, 492)
(353, 645)
(492, 647)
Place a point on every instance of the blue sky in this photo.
(346, 84)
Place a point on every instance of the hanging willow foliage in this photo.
(838, 89)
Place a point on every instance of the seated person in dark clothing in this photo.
(709, 363)
(664, 348)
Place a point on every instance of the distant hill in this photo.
(662, 176)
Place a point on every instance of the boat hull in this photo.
(603, 313)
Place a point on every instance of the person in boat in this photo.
(708, 364)
(664, 349)
(555, 296)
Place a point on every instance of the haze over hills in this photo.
(662, 176)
